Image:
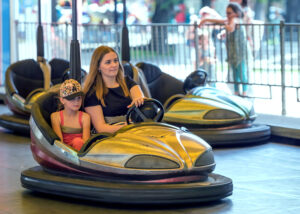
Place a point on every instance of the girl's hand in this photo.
(137, 102)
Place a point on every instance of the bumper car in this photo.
(217, 117)
(145, 162)
(25, 81)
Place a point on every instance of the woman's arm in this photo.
(55, 122)
(215, 21)
(97, 117)
(137, 96)
(86, 123)
(230, 25)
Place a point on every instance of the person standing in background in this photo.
(207, 55)
(247, 18)
(236, 44)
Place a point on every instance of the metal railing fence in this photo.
(272, 54)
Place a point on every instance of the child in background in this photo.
(71, 125)
(207, 55)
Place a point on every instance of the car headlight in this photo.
(150, 162)
(207, 158)
(217, 114)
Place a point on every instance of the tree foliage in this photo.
(164, 10)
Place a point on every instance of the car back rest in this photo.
(161, 85)
(138, 76)
(41, 111)
(195, 79)
(25, 76)
(58, 67)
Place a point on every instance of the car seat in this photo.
(25, 78)
(138, 76)
(161, 85)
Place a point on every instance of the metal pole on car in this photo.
(40, 35)
(45, 67)
(125, 50)
(75, 63)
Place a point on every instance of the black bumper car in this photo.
(25, 81)
(217, 117)
(147, 162)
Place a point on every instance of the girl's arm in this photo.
(55, 122)
(86, 123)
(137, 96)
(97, 117)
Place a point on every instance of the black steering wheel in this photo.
(151, 111)
(195, 79)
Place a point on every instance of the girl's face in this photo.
(109, 66)
(230, 13)
(73, 104)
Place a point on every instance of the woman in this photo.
(237, 45)
(109, 93)
(248, 18)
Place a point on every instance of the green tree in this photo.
(292, 7)
(164, 12)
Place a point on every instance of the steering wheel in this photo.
(195, 79)
(151, 111)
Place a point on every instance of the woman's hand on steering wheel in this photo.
(137, 102)
(152, 110)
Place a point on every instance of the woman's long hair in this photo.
(94, 80)
(237, 9)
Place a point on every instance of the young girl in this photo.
(71, 125)
(207, 55)
(237, 45)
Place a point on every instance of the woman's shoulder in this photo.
(130, 82)
(238, 20)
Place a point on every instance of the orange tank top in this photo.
(69, 133)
